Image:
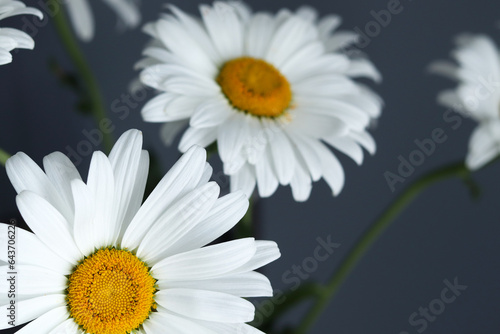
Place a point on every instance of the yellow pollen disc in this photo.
(255, 86)
(111, 292)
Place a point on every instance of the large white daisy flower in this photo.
(98, 262)
(82, 18)
(274, 91)
(10, 38)
(477, 94)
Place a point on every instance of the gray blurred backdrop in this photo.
(443, 235)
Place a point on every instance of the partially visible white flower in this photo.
(477, 94)
(10, 38)
(275, 92)
(83, 20)
(101, 261)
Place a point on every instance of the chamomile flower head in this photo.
(82, 18)
(275, 91)
(477, 71)
(10, 38)
(99, 262)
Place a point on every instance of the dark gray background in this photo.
(443, 234)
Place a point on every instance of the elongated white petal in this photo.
(47, 322)
(177, 221)
(179, 180)
(49, 225)
(82, 18)
(84, 227)
(206, 305)
(267, 252)
(33, 281)
(208, 262)
(250, 284)
(224, 215)
(34, 252)
(30, 309)
(61, 171)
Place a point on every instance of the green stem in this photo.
(4, 156)
(285, 302)
(70, 43)
(373, 233)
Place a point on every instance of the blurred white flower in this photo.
(273, 90)
(10, 38)
(102, 261)
(477, 94)
(83, 20)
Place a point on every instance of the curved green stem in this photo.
(289, 299)
(70, 43)
(4, 156)
(372, 234)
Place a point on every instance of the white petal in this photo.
(61, 171)
(164, 321)
(101, 184)
(267, 252)
(34, 251)
(259, 33)
(250, 284)
(34, 281)
(23, 40)
(244, 180)
(199, 137)
(224, 215)
(290, 37)
(347, 146)
(341, 40)
(267, 181)
(84, 226)
(27, 310)
(225, 29)
(24, 174)
(125, 158)
(205, 263)
(305, 148)
(127, 11)
(177, 221)
(206, 305)
(179, 180)
(69, 326)
(49, 225)
(301, 182)
(283, 157)
(47, 322)
(364, 68)
(211, 114)
(82, 18)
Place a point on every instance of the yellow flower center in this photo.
(255, 86)
(111, 292)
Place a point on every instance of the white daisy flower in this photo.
(274, 91)
(100, 262)
(477, 94)
(10, 38)
(83, 20)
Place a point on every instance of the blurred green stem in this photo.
(373, 233)
(4, 156)
(70, 43)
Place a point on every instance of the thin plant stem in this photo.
(4, 156)
(70, 43)
(372, 234)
